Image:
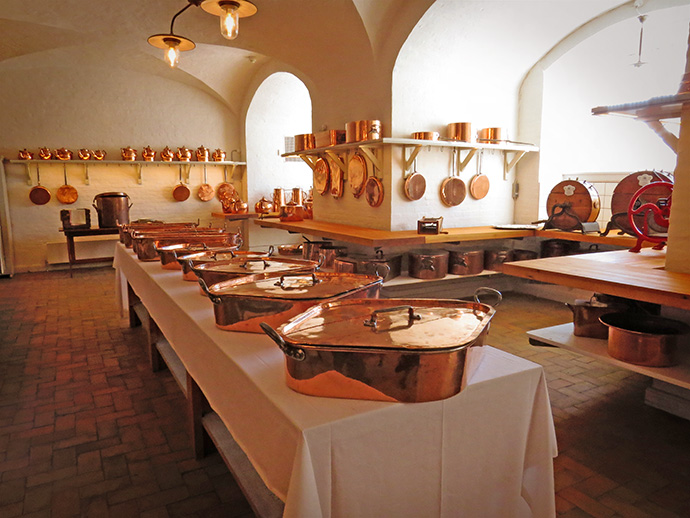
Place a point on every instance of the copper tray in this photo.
(322, 176)
(357, 174)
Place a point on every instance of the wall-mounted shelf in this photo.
(136, 163)
(368, 147)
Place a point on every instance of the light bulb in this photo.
(172, 53)
(229, 20)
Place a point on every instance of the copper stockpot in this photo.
(428, 264)
(243, 303)
(646, 340)
(466, 262)
(409, 350)
(328, 254)
(304, 141)
(461, 131)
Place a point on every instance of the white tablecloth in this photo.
(486, 452)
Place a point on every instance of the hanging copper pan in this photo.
(226, 190)
(322, 176)
(479, 184)
(181, 192)
(66, 194)
(453, 190)
(415, 184)
(38, 194)
(373, 191)
(357, 174)
(205, 192)
(337, 181)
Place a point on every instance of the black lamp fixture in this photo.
(229, 11)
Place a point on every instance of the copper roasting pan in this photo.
(188, 261)
(126, 230)
(144, 244)
(219, 271)
(169, 254)
(243, 303)
(407, 350)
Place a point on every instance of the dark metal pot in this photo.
(494, 259)
(428, 264)
(586, 314)
(466, 263)
(112, 208)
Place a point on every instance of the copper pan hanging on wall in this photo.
(415, 184)
(205, 192)
(453, 190)
(322, 176)
(479, 184)
(181, 191)
(66, 194)
(357, 174)
(38, 194)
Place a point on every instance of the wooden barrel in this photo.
(570, 201)
(625, 191)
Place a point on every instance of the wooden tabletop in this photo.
(639, 276)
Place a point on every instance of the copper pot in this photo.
(425, 135)
(304, 141)
(586, 314)
(461, 131)
(428, 264)
(494, 259)
(651, 341)
(490, 135)
(243, 303)
(357, 131)
(408, 350)
(466, 262)
(524, 255)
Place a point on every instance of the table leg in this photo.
(198, 406)
(71, 255)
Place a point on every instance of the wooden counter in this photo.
(636, 276)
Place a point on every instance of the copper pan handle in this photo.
(495, 293)
(373, 319)
(281, 282)
(244, 265)
(214, 298)
(288, 350)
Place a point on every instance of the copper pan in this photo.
(322, 176)
(66, 193)
(650, 340)
(181, 191)
(38, 194)
(453, 189)
(425, 135)
(461, 131)
(357, 174)
(373, 191)
(205, 192)
(490, 135)
(479, 184)
(415, 184)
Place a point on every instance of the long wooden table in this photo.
(488, 449)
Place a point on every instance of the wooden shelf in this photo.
(232, 217)
(380, 238)
(639, 276)
(376, 238)
(562, 336)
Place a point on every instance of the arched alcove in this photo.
(281, 107)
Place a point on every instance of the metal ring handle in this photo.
(288, 350)
(244, 264)
(485, 289)
(373, 319)
(281, 282)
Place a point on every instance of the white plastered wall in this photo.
(105, 108)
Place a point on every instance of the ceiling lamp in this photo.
(229, 11)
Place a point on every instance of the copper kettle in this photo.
(128, 154)
(263, 206)
(167, 154)
(148, 154)
(63, 154)
(183, 154)
(202, 154)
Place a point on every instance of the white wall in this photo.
(281, 107)
(599, 72)
(107, 109)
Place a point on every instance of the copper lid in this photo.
(410, 324)
(295, 286)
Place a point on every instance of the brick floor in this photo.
(87, 430)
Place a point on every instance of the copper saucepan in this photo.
(66, 194)
(38, 194)
(205, 192)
